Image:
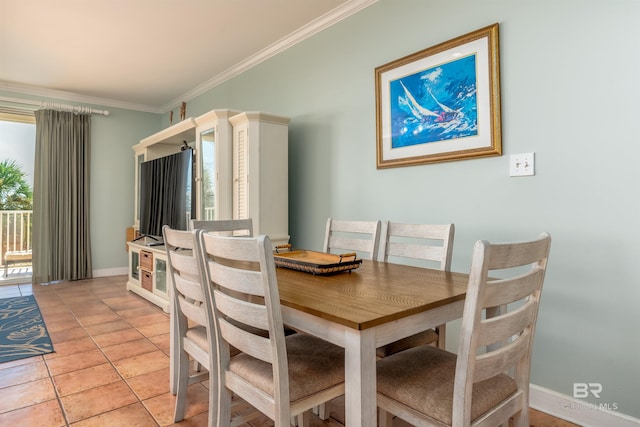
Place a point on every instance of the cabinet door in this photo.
(134, 265)
(160, 271)
(241, 172)
(208, 175)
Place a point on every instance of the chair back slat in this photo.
(225, 227)
(428, 242)
(241, 280)
(359, 236)
(193, 311)
(245, 312)
(186, 266)
(408, 250)
(500, 328)
(247, 342)
(190, 290)
(505, 291)
(510, 255)
(489, 365)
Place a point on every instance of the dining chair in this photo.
(281, 376)
(487, 383)
(230, 227)
(192, 317)
(432, 243)
(357, 236)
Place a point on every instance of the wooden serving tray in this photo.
(317, 262)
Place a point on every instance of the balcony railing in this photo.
(15, 238)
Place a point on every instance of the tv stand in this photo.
(228, 145)
(148, 272)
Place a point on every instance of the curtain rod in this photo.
(56, 106)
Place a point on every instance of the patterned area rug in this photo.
(22, 330)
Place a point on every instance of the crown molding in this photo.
(75, 97)
(319, 24)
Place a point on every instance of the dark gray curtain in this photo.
(61, 242)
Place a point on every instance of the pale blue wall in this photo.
(112, 170)
(570, 73)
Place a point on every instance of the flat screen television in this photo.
(166, 193)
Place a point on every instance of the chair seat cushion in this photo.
(422, 379)
(423, 338)
(314, 365)
(198, 334)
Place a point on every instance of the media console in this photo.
(241, 171)
(148, 272)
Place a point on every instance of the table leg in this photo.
(360, 378)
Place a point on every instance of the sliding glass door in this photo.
(17, 150)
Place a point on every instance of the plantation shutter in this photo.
(240, 173)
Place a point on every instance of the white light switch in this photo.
(521, 164)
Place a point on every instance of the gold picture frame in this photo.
(440, 104)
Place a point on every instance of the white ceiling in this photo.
(148, 55)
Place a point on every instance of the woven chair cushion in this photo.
(314, 365)
(423, 338)
(198, 334)
(422, 379)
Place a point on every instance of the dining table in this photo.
(365, 308)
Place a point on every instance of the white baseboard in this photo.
(577, 411)
(104, 272)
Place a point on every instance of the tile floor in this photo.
(111, 365)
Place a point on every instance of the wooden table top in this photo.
(371, 295)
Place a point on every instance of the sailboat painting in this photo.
(441, 103)
(435, 104)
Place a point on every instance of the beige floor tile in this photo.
(162, 407)
(150, 384)
(154, 329)
(134, 415)
(67, 348)
(117, 337)
(129, 349)
(73, 362)
(27, 394)
(148, 319)
(96, 401)
(67, 335)
(162, 341)
(23, 374)
(105, 328)
(138, 365)
(96, 319)
(46, 413)
(85, 379)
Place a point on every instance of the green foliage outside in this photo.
(15, 191)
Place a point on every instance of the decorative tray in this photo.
(316, 262)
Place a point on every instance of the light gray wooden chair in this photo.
(193, 331)
(280, 376)
(487, 383)
(227, 227)
(432, 243)
(361, 237)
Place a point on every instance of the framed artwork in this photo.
(440, 104)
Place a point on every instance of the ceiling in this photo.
(148, 55)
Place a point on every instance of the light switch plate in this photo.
(521, 164)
